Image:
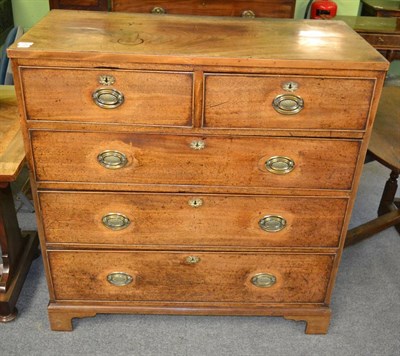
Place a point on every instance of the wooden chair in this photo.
(384, 147)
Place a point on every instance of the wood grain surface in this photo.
(169, 159)
(221, 220)
(150, 98)
(243, 101)
(218, 277)
(127, 37)
(12, 154)
(197, 123)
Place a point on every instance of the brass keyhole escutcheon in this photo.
(106, 80)
(192, 260)
(197, 145)
(290, 86)
(263, 280)
(195, 202)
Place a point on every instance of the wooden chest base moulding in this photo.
(188, 165)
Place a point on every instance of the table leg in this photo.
(17, 253)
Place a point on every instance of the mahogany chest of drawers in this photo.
(189, 165)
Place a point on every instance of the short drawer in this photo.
(191, 220)
(108, 96)
(190, 276)
(247, 101)
(252, 8)
(193, 160)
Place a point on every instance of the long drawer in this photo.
(190, 276)
(260, 8)
(108, 96)
(247, 101)
(191, 220)
(190, 160)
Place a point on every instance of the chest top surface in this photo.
(175, 39)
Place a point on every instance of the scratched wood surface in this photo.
(12, 152)
(200, 40)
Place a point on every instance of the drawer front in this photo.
(190, 276)
(197, 220)
(260, 8)
(382, 40)
(245, 101)
(129, 97)
(189, 160)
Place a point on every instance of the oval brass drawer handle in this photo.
(280, 165)
(112, 159)
(108, 98)
(119, 279)
(272, 223)
(249, 14)
(115, 221)
(158, 10)
(288, 104)
(263, 280)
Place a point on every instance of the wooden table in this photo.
(17, 249)
(380, 8)
(383, 33)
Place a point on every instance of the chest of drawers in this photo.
(203, 166)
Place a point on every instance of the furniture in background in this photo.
(93, 5)
(380, 8)
(6, 19)
(384, 147)
(251, 8)
(383, 33)
(207, 172)
(17, 249)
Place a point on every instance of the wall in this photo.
(28, 12)
(345, 8)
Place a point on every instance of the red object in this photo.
(323, 9)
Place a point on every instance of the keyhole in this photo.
(290, 85)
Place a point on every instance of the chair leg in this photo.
(388, 214)
(387, 201)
